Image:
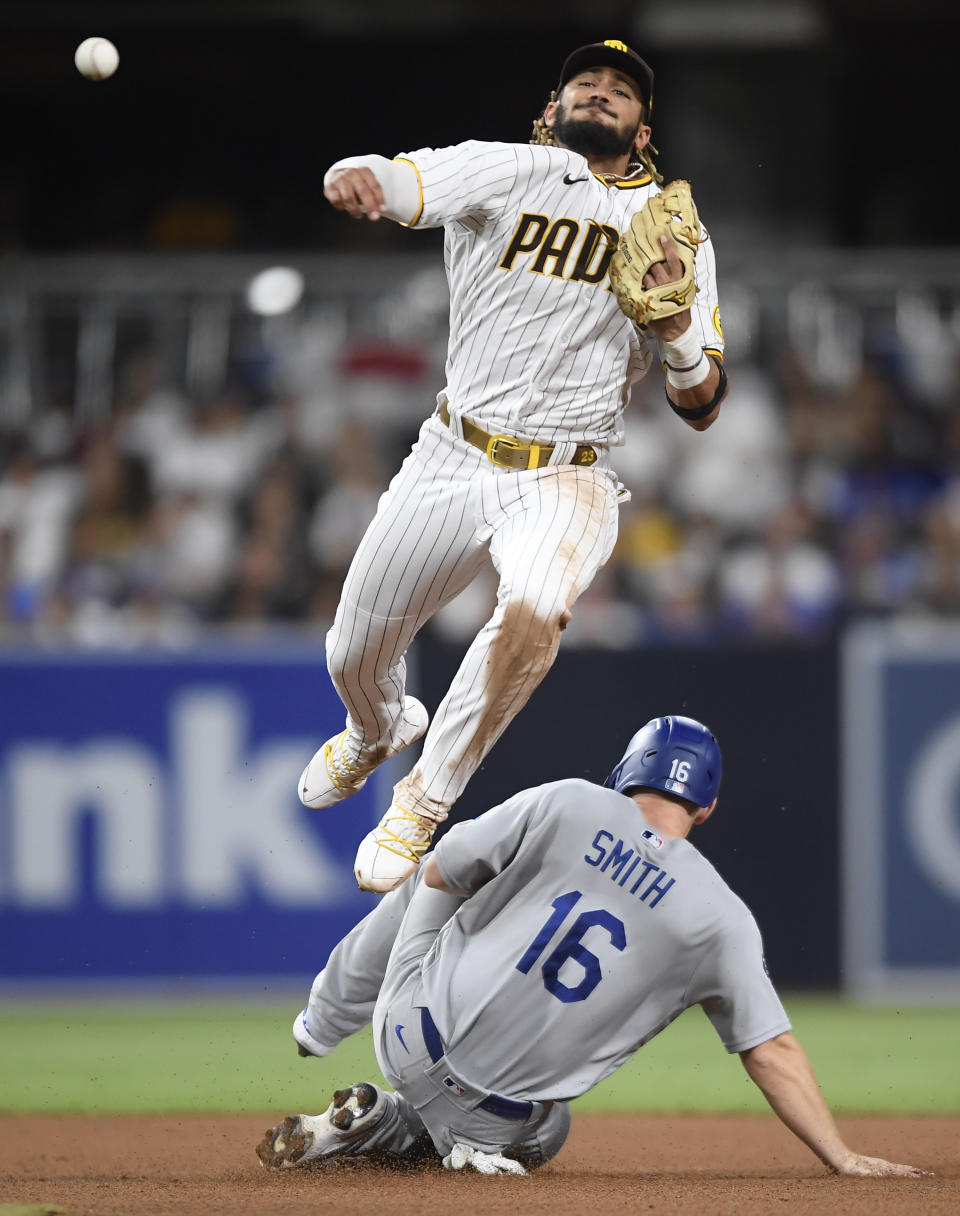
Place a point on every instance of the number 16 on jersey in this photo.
(571, 947)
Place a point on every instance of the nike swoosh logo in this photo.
(569, 181)
(398, 1028)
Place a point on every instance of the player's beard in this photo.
(592, 138)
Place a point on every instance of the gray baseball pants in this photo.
(373, 974)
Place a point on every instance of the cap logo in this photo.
(616, 45)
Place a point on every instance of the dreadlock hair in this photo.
(543, 135)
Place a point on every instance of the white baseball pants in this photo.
(548, 532)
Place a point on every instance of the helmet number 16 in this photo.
(680, 770)
(571, 947)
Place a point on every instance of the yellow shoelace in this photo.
(387, 838)
(339, 769)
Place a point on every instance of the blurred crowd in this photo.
(806, 505)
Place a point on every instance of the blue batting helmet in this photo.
(676, 755)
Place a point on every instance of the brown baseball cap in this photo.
(611, 54)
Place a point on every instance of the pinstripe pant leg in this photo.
(420, 550)
(550, 532)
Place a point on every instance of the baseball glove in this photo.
(671, 212)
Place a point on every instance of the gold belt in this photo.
(509, 453)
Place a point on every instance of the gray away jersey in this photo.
(587, 933)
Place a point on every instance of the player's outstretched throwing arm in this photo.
(373, 186)
(782, 1070)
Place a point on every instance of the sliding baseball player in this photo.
(543, 944)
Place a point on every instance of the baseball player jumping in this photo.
(516, 459)
(540, 946)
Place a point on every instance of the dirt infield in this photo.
(691, 1166)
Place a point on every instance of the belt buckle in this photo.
(495, 442)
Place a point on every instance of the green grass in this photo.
(239, 1056)
(868, 1059)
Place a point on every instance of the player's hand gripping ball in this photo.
(96, 58)
(671, 213)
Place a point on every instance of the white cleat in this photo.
(333, 774)
(389, 854)
(340, 1131)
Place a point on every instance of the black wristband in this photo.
(701, 411)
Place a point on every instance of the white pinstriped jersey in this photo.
(538, 347)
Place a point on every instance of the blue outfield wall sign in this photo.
(149, 821)
(901, 811)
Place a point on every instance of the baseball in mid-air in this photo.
(96, 58)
